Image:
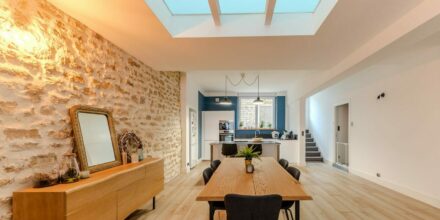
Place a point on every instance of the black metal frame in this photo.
(289, 214)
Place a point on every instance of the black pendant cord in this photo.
(258, 90)
(226, 87)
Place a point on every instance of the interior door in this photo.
(193, 138)
(341, 122)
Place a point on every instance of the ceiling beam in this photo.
(270, 7)
(215, 11)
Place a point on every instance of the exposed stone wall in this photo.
(50, 62)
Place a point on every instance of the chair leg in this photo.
(287, 214)
(211, 212)
(291, 215)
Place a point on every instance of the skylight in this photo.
(296, 6)
(188, 7)
(241, 18)
(242, 6)
(201, 7)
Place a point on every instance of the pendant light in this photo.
(258, 101)
(225, 100)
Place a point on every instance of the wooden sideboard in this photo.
(110, 194)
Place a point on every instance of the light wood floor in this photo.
(336, 195)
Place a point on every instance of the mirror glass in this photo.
(96, 136)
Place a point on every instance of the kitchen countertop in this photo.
(245, 142)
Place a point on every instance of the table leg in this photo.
(297, 210)
(154, 202)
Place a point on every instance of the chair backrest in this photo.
(215, 164)
(229, 149)
(207, 174)
(257, 148)
(241, 207)
(294, 172)
(284, 163)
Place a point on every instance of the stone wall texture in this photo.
(50, 62)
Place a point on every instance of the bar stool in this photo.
(229, 150)
(257, 148)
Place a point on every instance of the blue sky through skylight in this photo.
(188, 7)
(242, 6)
(198, 7)
(296, 6)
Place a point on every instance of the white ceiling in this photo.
(131, 25)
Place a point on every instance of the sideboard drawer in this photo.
(104, 208)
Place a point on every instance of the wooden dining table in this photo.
(268, 178)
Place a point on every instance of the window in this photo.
(201, 7)
(253, 116)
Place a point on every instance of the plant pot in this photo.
(248, 162)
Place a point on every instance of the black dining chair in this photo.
(215, 164)
(257, 148)
(284, 163)
(244, 207)
(213, 206)
(229, 150)
(286, 205)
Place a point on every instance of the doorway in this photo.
(193, 139)
(342, 136)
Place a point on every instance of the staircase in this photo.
(312, 151)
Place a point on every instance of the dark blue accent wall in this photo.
(280, 110)
(209, 104)
(201, 104)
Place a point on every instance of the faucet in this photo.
(259, 132)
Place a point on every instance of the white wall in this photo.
(191, 95)
(398, 135)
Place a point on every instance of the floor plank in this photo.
(336, 195)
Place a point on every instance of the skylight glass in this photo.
(188, 7)
(296, 6)
(201, 7)
(242, 6)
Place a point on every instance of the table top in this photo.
(268, 178)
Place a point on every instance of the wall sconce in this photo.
(381, 96)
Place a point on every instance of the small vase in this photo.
(247, 161)
(250, 168)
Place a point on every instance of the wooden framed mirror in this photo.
(95, 138)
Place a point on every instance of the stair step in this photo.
(313, 154)
(310, 144)
(312, 149)
(309, 140)
(307, 131)
(314, 159)
(308, 135)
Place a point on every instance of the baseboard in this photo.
(398, 188)
(329, 162)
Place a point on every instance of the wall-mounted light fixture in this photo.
(381, 96)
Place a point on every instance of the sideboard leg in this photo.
(154, 202)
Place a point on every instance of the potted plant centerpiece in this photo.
(248, 153)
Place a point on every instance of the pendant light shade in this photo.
(225, 101)
(258, 101)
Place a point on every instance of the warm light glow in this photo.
(27, 40)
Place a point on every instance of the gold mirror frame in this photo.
(79, 143)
